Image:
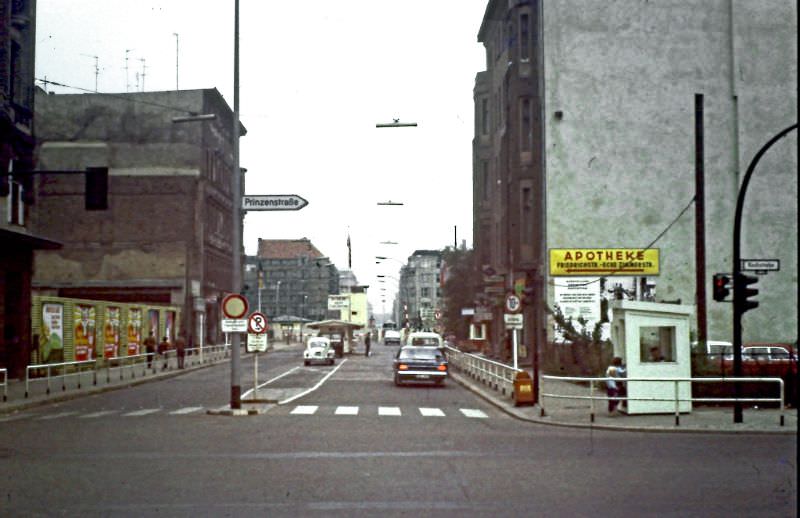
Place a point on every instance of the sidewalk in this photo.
(576, 413)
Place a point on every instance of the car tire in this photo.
(440, 383)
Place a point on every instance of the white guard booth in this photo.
(653, 341)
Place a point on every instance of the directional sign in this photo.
(273, 202)
(761, 265)
(257, 323)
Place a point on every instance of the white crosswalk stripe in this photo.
(473, 413)
(142, 412)
(389, 410)
(305, 410)
(100, 413)
(186, 410)
(431, 412)
(346, 410)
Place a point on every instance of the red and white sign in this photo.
(513, 304)
(257, 323)
(234, 306)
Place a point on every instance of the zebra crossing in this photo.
(384, 411)
(388, 412)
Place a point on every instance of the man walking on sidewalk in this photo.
(367, 343)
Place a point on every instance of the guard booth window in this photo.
(657, 344)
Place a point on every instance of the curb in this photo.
(512, 412)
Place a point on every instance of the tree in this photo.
(459, 288)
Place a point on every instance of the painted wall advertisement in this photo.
(51, 343)
(134, 331)
(84, 332)
(111, 332)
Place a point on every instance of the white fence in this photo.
(496, 375)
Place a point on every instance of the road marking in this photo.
(431, 412)
(97, 414)
(346, 410)
(304, 410)
(473, 413)
(142, 412)
(315, 387)
(389, 410)
(55, 416)
(15, 417)
(247, 393)
(186, 410)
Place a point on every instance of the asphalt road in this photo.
(358, 445)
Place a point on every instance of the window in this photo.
(525, 128)
(524, 37)
(484, 116)
(657, 344)
(485, 180)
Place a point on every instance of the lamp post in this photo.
(236, 212)
(277, 298)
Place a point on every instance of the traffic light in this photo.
(721, 286)
(527, 293)
(96, 188)
(742, 293)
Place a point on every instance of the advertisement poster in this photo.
(152, 322)
(578, 297)
(134, 331)
(51, 343)
(111, 333)
(84, 318)
(170, 326)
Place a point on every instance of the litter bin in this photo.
(523, 389)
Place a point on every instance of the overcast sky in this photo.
(316, 76)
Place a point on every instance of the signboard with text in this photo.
(604, 262)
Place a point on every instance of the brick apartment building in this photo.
(165, 237)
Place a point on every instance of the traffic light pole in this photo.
(739, 301)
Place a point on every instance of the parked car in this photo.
(420, 364)
(391, 337)
(766, 359)
(425, 338)
(319, 350)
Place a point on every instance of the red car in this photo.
(765, 360)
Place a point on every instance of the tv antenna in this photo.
(96, 68)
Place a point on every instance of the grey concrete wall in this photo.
(620, 165)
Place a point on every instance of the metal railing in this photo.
(66, 369)
(130, 365)
(4, 373)
(676, 398)
(495, 374)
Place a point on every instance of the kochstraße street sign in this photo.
(761, 265)
(273, 202)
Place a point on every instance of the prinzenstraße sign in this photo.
(273, 202)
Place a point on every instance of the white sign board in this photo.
(256, 342)
(234, 325)
(578, 297)
(513, 320)
(338, 302)
(761, 265)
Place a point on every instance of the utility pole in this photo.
(236, 364)
(700, 220)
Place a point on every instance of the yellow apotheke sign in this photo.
(604, 261)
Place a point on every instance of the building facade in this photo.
(614, 89)
(420, 292)
(165, 237)
(296, 279)
(17, 159)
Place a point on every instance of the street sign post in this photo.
(256, 342)
(274, 202)
(761, 265)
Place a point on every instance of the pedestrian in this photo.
(367, 343)
(150, 349)
(180, 348)
(615, 389)
(163, 347)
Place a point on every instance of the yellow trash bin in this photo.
(523, 389)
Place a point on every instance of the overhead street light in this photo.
(388, 242)
(391, 203)
(396, 124)
(195, 118)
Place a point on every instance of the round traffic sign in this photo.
(257, 323)
(437, 314)
(234, 306)
(513, 303)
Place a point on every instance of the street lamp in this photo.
(391, 203)
(277, 298)
(396, 124)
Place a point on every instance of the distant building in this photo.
(296, 279)
(17, 239)
(166, 235)
(420, 290)
(585, 138)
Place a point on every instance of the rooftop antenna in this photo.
(96, 69)
(127, 82)
(144, 68)
(176, 60)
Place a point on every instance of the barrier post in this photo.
(677, 406)
(591, 401)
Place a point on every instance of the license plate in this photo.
(423, 376)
